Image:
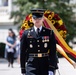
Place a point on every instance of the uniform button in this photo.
(38, 50)
(37, 40)
(28, 34)
(31, 46)
(43, 30)
(38, 45)
(30, 41)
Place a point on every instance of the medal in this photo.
(45, 45)
(30, 41)
(43, 41)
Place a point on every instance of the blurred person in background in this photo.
(10, 47)
(18, 48)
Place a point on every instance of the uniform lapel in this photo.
(33, 33)
(42, 31)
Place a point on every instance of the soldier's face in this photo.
(37, 21)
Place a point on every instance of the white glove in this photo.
(50, 73)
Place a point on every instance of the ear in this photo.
(32, 19)
(43, 18)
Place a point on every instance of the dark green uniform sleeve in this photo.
(23, 48)
(52, 52)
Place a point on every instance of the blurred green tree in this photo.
(61, 7)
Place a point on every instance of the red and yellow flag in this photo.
(61, 41)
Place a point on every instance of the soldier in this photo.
(34, 46)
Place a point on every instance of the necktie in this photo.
(38, 31)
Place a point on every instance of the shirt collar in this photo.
(36, 28)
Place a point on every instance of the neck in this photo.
(38, 26)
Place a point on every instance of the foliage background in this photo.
(61, 7)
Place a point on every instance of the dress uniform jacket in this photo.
(34, 50)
